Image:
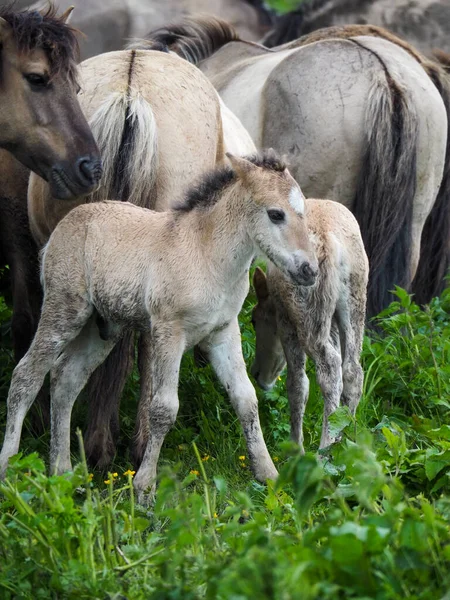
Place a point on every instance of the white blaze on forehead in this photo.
(297, 200)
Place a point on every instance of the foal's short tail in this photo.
(125, 129)
(434, 261)
(386, 189)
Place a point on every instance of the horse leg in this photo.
(297, 382)
(54, 333)
(104, 391)
(329, 376)
(68, 377)
(142, 429)
(350, 312)
(224, 351)
(166, 348)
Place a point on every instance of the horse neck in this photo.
(222, 232)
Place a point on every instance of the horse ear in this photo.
(240, 165)
(66, 16)
(260, 284)
(5, 29)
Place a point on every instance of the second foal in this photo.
(324, 321)
(183, 276)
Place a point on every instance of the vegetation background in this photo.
(368, 519)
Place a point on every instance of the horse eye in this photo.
(36, 80)
(276, 216)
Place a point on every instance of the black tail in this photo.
(434, 261)
(194, 39)
(386, 189)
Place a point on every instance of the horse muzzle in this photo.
(68, 180)
(305, 274)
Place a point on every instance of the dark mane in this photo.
(32, 29)
(194, 39)
(210, 187)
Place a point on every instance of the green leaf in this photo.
(339, 420)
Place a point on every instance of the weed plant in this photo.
(368, 518)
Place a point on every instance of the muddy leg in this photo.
(329, 377)
(225, 354)
(68, 377)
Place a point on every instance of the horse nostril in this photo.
(306, 271)
(90, 170)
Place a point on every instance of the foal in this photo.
(182, 275)
(325, 321)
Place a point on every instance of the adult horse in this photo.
(362, 123)
(158, 122)
(41, 122)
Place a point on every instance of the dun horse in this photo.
(182, 275)
(362, 123)
(41, 122)
(324, 322)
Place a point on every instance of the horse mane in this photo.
(33, 29)
(194, 39)
(208, 190)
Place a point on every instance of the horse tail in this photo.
(434, 260)
(126, 133)
(386, 188)
(194, 39)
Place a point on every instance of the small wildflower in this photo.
(243, 465)
(107, 481)
(90, 476)
(115, 475)
(129, 472)
(279, 377)
(275, 459)
(205, 458)
(194, 472)
(215, 515)
(242, 457)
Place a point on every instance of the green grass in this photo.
(368, 519)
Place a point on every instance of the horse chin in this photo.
(61, 187)
(266, 386)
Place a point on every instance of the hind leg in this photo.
(60, 323)
(329, 376)
(350, 312)
(68, 377)
(104, 391)
(297, 382)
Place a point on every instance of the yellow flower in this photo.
(90, 476)
(279, 377)
(275, 459)
(107, 481)
(129, 472)
(243, 465)
(205, 458)
(115, 475)
(194, 472)
(215, 515)
(242, 457)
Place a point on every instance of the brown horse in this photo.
(41, 122)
